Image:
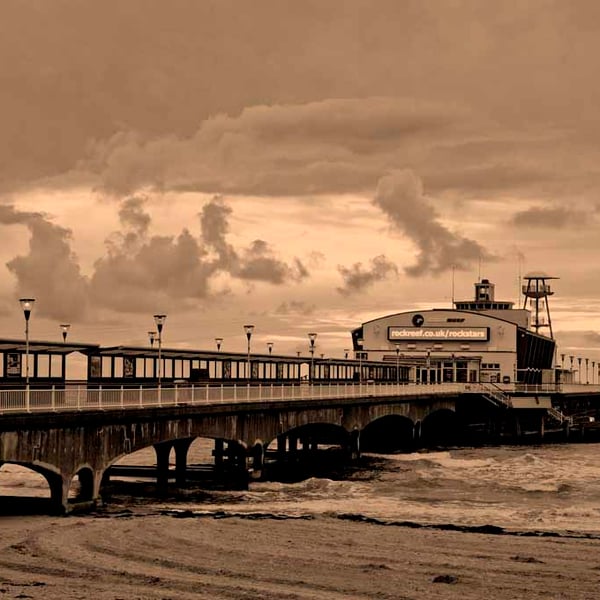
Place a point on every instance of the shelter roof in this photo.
(44, 347)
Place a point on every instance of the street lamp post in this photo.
(218, 341)
(579, 369)
(65, 330)
(270, 347)
(249, 330)
(346, 351)
(27, 306)
(311, 338)
(360, 342)
(397, 363)
(587, 371)
(152, 337)
(160, 321)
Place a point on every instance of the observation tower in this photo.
(536, 290)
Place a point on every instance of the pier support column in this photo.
(293, 447)
(181, 451)
(542, 427)
(59, 492)
(517, 427)
(281, 444)
(417, 430)
(105, 478)
(354, 444)
(218, 453)
(163, 451)
(240, 467)
(258, 460)
(306, 444)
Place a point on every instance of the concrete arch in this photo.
(88, 485)
(57, 482)
(440, 428)
(388, 434)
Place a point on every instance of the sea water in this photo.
(554, 487)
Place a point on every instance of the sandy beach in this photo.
(148, 555)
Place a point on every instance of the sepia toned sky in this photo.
(301, 166)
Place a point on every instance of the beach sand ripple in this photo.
(147, 555)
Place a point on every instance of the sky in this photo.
(300, 166)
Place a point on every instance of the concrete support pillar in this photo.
(258, 460)
(105, 479)
(59, 492)
(218, 453)
(354, 444)
(181, 451)
(86, 485)
(163, 451)
(517, 426)
(542, 427)
(238, 465)
(293, 447)
(417, 431)
(306, 444)
(281, 444)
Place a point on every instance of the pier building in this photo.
(478, 340)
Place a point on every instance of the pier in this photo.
(76, 435)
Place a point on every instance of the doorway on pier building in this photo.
(427, 375)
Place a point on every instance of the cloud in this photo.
(333, 145)
(296, 307)
(139, 272)
(356, 278)
(556, 217)
(144, 272)
(574, 342)
(258, 263)
(50, 269)
(400, 196)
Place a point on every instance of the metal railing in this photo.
(559, 416)
(496, 395)
(81, 398)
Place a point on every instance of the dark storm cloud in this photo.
(327, 146)
(50, 270)
(400, 196)
(556, 217)
(136, 93)
(357, 278)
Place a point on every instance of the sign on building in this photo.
(439, 334)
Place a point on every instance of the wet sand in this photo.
(148, 555)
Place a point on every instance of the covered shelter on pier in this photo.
(137, 365)
(47, 362)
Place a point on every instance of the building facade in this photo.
(479, 340)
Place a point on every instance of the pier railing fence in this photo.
(82, 398)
